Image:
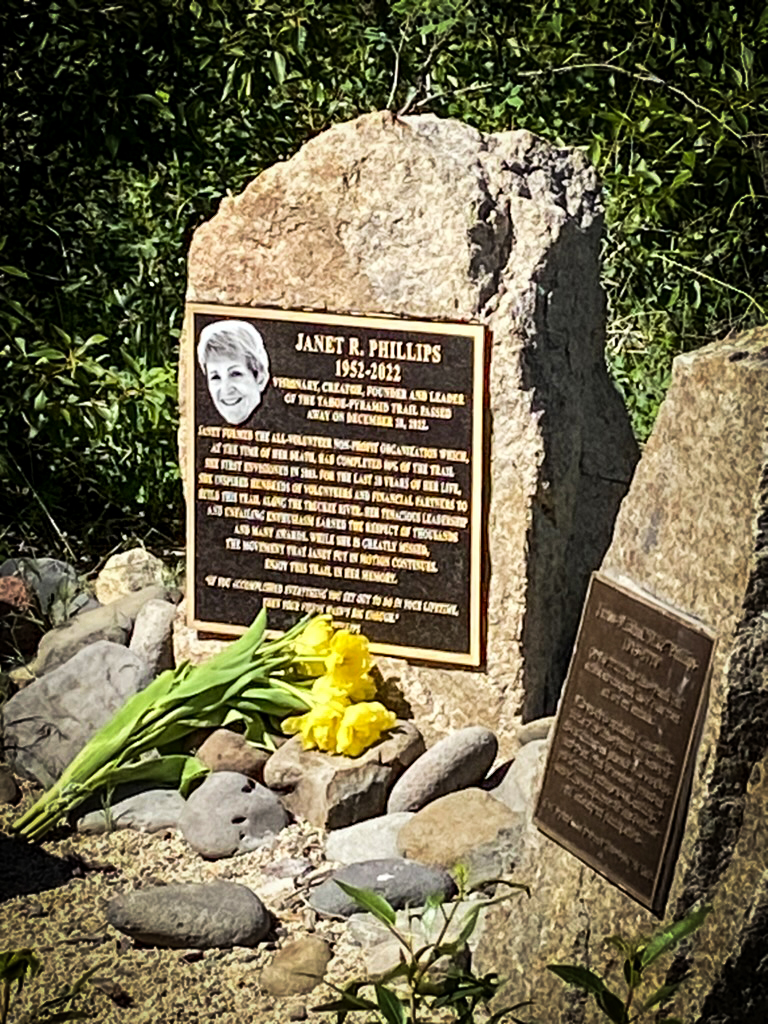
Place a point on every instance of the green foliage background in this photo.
(124, 123)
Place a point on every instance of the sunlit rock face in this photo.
(429, 219)
(693, 531)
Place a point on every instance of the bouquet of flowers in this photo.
(313, 679)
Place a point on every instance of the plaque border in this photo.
(478, 334)
(665, 871)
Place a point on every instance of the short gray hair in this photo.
(237, 339)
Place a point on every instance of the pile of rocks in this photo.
(397, 819)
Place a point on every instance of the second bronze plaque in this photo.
(618, 775)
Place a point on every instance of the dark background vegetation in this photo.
(125, 122)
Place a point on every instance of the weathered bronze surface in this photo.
(337, 467)
(618, 775)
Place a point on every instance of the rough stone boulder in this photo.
(332, 790)
(693, 530)
(51, 720)
(113, 622)
(151, 638)
(126, 572)
(468, 828)
(429, 219)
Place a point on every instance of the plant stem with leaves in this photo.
(457, 990)
(638, 954)
(251, 678)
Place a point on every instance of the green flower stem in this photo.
(303, 694)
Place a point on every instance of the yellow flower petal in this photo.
(361, 725)
(324, 690)
(314, 640)
(312, 646)
(318, 727)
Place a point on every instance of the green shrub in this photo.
(125, 124)
(19, 965)
(421, 982)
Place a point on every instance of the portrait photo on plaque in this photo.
(235, 363)
(336, 465)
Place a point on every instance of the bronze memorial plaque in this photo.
(616, 786)
(335, 464)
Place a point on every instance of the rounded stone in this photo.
(538, 729)
(455, 762)
(367, 840)
(9, 790)
(227, 751)
(192, 915)
(518, 787)
(469, 828)
(230, 813)
(296, 968)
(144, 810)
(403, 883)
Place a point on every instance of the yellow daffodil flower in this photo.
(319, 726)
(361, 725)
(349, 657)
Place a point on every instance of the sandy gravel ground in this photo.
(64, 922)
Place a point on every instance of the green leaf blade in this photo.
(661, 995)
(581, 977)
(669, 937)
(370, 901)
(390, 1006)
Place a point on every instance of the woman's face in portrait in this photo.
(233, 387)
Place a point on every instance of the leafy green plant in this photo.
(418, 984)
(18, 965)
(638, 955)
